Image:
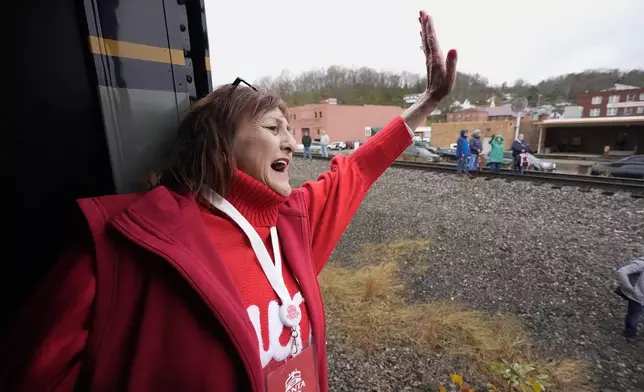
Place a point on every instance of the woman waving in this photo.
(208, 282)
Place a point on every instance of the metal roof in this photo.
(504, 110)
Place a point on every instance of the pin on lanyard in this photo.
(290, 314)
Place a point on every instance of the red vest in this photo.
(167, 315)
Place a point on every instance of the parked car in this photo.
(447, 154)
(539, 164)
(350, 143)
(630, 167)
(337, 146)
(316, 147)
(431, 149)
(427, 146)
(419, 154)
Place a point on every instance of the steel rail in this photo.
(584, 182)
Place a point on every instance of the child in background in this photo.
(523, 161)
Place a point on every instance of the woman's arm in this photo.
(42, 351)
(333, 200)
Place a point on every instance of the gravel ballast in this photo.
(546, 255)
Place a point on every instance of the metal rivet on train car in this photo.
(186, 53)
(182, 27)
(189, 79)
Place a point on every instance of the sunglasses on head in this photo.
(240, 80)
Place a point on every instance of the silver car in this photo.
(316, 147)
(541, 165)
(535, 163)
(419, 154)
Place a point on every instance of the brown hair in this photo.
(203, 152)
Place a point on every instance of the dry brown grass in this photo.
(370, 302)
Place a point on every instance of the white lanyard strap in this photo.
(290, 314)
(272, 271)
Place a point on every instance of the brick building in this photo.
(493, 113)
(466, 115)
(341, 122)
(617, 101)
(444, 134)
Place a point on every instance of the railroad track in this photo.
(584, 183)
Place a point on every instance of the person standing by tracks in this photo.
(524, 163)
(306, 143)
(476, 147)
(496, 153)
(517, 147)
(631, 288)
(324, 144)
(208, 282)
(462, 153)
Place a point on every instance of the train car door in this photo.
(101, 87)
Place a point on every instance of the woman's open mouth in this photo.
(280, 165)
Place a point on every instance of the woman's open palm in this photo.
(441, 72)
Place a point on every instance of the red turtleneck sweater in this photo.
(332, 201)
(258, 204)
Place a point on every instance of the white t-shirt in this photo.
(324, 139)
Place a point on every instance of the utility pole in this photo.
(518, 106)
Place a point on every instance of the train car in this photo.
(100, 89)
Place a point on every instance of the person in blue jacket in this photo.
(463, 152)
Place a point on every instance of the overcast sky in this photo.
(501, 39)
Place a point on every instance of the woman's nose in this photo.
(289, 142)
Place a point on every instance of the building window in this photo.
(316, 114)
(630, 97)
(294, 117)
(640, 110)
(594, 112)
(613, 99)
(611, 112)
(320, 114)
(628, 111)
(318, 131)
(642, 97)
(596, 100)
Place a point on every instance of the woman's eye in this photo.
(273, 129)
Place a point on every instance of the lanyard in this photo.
(290, 314)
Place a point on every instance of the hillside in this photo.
(365, 85)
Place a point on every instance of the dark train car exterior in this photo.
(101, 87)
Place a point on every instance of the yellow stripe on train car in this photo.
(131, 50)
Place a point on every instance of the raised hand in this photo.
(441, 73)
